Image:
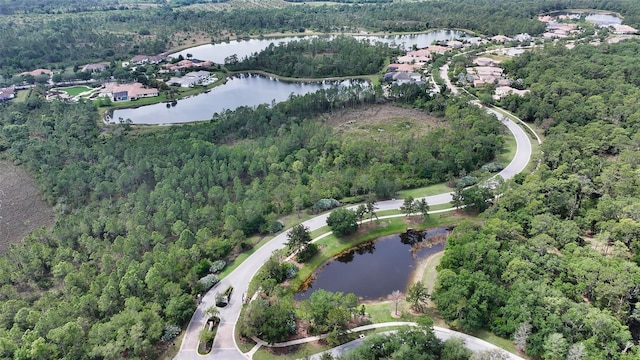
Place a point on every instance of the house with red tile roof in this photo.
(37, 72)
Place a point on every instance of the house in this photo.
(37, 72)
(485, 61)
(124, 92)
(455, 44)
(421, 53)
(94, 68)
(524, 37)
(186, 64)
(7, 94)
(500, 38)
(403, 67)
(623, 29)
(146, 59)
(502, 91)
(438, 49)
(190, 79)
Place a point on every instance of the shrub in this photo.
(467, 181)
(492, 167)
(171, 331)
(291, 270)
(326, 204)
(307, 252)
(343, 222)
(208, 281)
(217, 266)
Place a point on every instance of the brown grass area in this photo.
(382, 121)
(21, 207)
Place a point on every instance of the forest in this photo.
(140, 224)
(319, 58)
(51, 41)
(555, 265)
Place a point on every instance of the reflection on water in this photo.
(376, 269)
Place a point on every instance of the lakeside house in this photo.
(500, 38)
(7, 94)
(190, 79)
(187, 64)
(147, 59)
(127, 92)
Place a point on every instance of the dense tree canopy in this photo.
(320, 57)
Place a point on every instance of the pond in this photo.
(218, 52)
(602, 19)
(376, 269)
(241, 90)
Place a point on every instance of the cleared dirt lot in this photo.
(382, 121)
(21, 206)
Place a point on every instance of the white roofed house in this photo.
(126, 92)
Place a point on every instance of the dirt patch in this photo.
(21, 207)
(382, 121)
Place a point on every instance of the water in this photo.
(604, 19)
(376, 269)
(242, 48)
(242, 90)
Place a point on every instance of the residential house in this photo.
(455, 44)
(623, 29)
(500, 38)
(190, 79)
(94, 68)
(7, 94)
(37, 72)
(187, 64)
(438, 49)
(485, 61)
(502, 91)
(403, 67)
(147, 59)
(124, 92)
(524, 37)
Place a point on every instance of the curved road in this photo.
(224, 346)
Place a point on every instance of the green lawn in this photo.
(74, 90)
(22, 95)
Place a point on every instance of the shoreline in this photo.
(278, 35)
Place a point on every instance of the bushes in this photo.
(171, 331)
(325, 204)
(467, 181)
(217, 266)
(207, 281)
(492, 167)
(343, 222)
(307, 252)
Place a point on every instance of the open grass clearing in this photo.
(75, 90)
(22, 208)
(22, 95)
(383, 122)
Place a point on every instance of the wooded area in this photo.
(319, 58)
(139, 222)
(555, 264)
(52, 41)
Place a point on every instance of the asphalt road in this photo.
(224, 346)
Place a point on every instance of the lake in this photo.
(218, 52)
(241, 90)
(376, 269)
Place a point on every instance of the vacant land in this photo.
(21, 207)
(383, 121)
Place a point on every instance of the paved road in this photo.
(472, 343)
(224, 345)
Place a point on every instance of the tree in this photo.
(457, 200)
(555, 347)
(343, 222)
(371, 208)
(298, 238)
(409, 206)
(417, 296)
(422, 207)
(577, 352)
(396, 298)
(521, 335)
(455, 349)
(495, 354)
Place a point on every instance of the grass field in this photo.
(75, 90)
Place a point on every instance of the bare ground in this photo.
(21, 206)
(382, 121)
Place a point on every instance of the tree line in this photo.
(50, 41)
